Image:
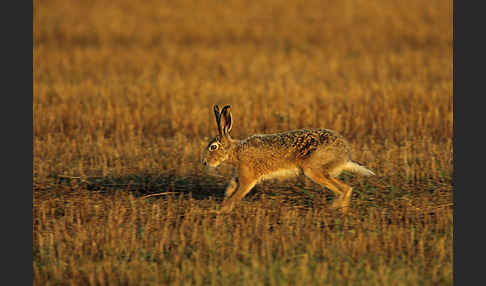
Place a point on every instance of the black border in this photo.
(468, 125)
(17, 140)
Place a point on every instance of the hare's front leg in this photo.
(244, 183)
(231, 188)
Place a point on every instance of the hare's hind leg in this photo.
(342, 191)
(345, 198)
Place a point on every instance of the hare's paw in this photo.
(227, 207)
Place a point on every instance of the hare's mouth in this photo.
(213, 164)
(210, 164)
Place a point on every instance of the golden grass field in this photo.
(123, 95)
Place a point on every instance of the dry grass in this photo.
(122, 107)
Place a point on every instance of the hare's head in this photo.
(220, 147)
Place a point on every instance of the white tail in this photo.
(357, 168)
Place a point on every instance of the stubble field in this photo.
(123, 95)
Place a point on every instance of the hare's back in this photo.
(300, 143)
(308, 142)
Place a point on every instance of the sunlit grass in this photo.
(122, 109)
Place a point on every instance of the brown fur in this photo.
(320, 154)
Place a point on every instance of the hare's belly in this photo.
(281, 174)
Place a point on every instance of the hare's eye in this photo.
(213, 147)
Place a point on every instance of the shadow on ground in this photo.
(198, 187)
(144, 185)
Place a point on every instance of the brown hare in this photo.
(320, 154)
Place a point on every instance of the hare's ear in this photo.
(216, 111)
(217, 114)
(226, 122)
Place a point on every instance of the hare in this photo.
(319, 154)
